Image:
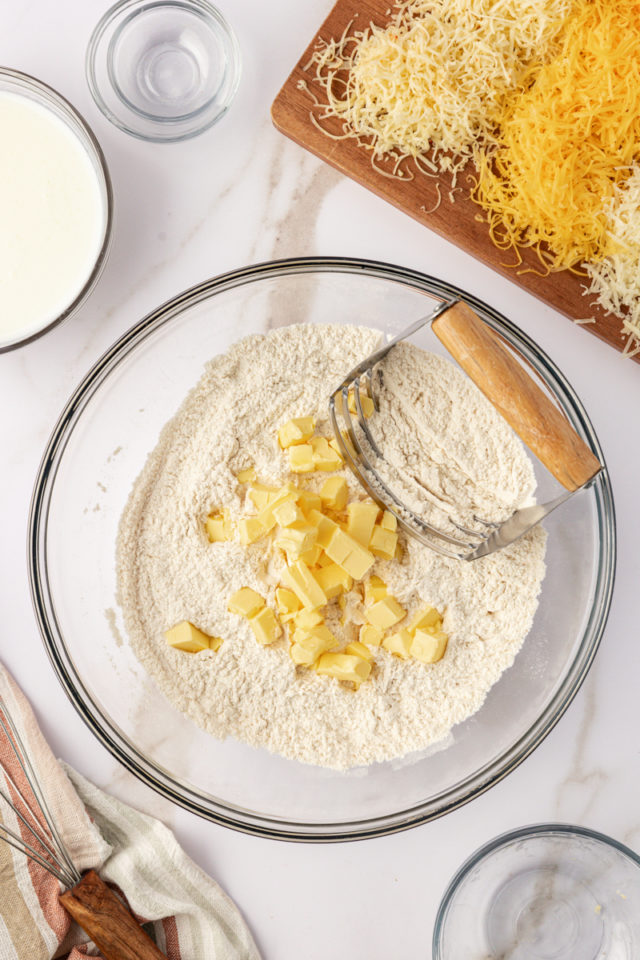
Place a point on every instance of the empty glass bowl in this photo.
(97, 450)
(163, 70)
(546, 892)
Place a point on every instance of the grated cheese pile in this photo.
(432, 84)
(616, 279)
(569, 140)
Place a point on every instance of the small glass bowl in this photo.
(22, 84)
(163, 70)
(544, 892)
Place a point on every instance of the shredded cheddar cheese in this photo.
(432, 84)
(566, 142)
(616, 279)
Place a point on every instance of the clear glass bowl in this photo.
(13, 81)
(546, 892)
(98, 448)
(163, 70)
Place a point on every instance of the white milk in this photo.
(52, 217)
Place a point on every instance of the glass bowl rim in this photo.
(234, 64)
(503, 840)
(182, 793)
(27, 80)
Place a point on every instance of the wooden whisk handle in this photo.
(511, 390)
(113, 929)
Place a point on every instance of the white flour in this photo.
(168, 571)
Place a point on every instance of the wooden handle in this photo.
(522, 403)
(113, 929)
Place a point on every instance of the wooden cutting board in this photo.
(455, 221)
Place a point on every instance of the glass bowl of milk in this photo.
(57, 209)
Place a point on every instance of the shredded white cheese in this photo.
(616, 279)
(430, 85)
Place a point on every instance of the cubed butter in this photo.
(424, 619)
(399, 644)
(388, 521)
(383, 543)
(370, 635)
(333, 579)
(245, 602)
(265, 626)
(312, 557)
(324, 456)
(428, 647)
(361, 518)
(349, 554)
(374, 589)
(301, 458)
(309, 501)
(261, 494)
(286, 601)
(184, 636)
(358, 649)
(250, 529)
(295, 431)
(325, 527)
(246, 476)
(299, 578)
(288, 513)
(267, 514)
(307, 619)
(344, 666)
(334, 492)
(309, 645)
(365, 402)
(385, 613)
(218, 527)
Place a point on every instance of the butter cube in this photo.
(309, 501)
(349, 554)
(333, 580)
(344, 666)
(265, 626)
(297, 539)
(245, 602)
(307, 647)
(389, 521)
(267, 514)
(246, 476)
(399, 644)
(301, 458)
(295, 431)
(184, 636)
(300, 579)
(370, 635)
(334, 492)
(307, 619)
(428, 647)
(362, 516)
(365, 402)
(324, 560)
(288, 513)
(383, 543)
(374, 589)
(261, 494)
(286, 601)
(250, 529)
(385, 613)
(325, 457)
(313, 556)
(324, 526)
(358, 649)
(424, 619)
(218, 527)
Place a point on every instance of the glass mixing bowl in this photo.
(97, 450)
(546, 892)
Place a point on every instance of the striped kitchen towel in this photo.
(189, 916)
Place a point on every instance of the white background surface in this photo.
(238, 194)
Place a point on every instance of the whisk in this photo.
(503, 380)
(87, 899)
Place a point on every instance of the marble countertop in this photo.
(238, 194)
